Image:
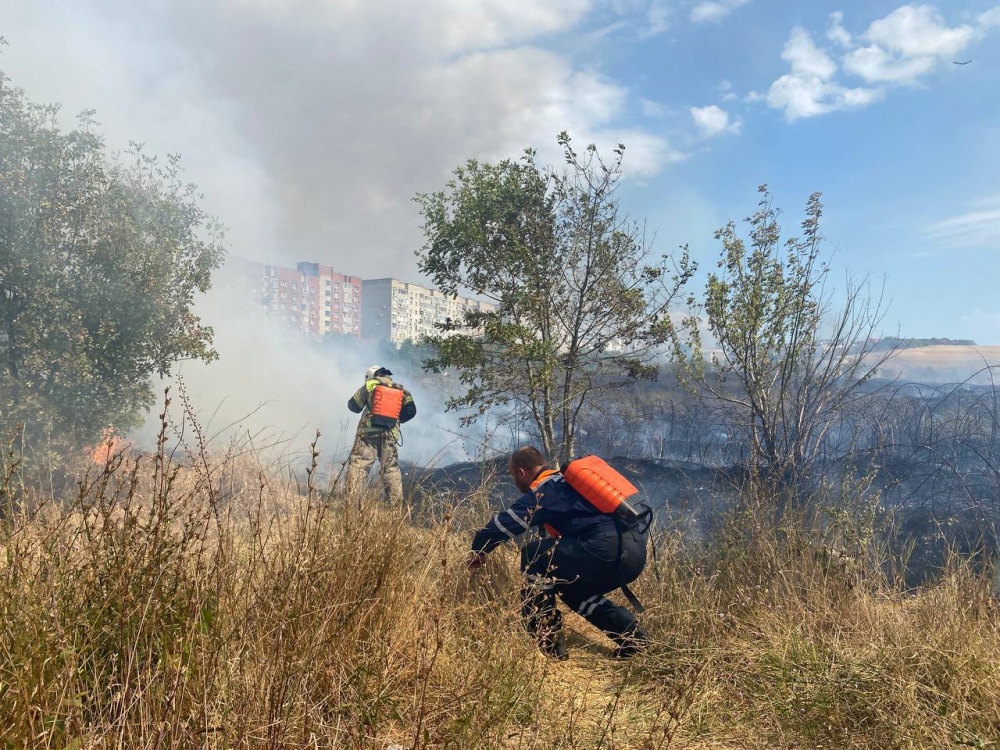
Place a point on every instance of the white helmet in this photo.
(374, 371)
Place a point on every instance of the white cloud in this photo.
(809, 90)
(653, 109)
(715, 10)
(726, 92)
(807, 96)
(895, 50)
(837, 33)
(918, 30)
(645, 154)
(975, 228)
(658, 19)
(990, 19)
(639, 19)
(713, 120)
(805, 57)
(908, 43)
(876, 65)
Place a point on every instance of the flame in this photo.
(111, 444)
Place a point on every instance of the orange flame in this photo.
(111, 443)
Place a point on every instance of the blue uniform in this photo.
(586, 555)
(552, 504)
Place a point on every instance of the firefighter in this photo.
(585, 555)
(384, 406)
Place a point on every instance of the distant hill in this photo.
(893, 342)
(944, 363)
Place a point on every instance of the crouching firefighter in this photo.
(595, 543)
(383, 406)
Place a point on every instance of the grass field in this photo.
(216, 605)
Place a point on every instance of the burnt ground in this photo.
(682, 494)
(691, 499)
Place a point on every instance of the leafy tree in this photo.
(100, 260)
(786, 366)
(581, 306)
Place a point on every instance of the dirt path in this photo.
(592, 700)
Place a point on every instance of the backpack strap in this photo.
(632, 598)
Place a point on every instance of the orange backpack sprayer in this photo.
(602, 487)
(386, 405)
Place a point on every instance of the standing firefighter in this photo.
(383, 406)
(596, 543)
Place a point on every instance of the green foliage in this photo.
(786, 366)
(581, 307)
(100, 260)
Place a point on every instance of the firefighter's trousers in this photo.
(368, 449)
(581, 571)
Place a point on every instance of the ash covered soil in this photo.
(676, 490)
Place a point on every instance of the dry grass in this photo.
(210, 606)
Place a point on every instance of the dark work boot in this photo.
(542, 617)
(632, 642)
(550, 635)
(620, 626)
(554, 645)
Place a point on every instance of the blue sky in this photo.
(310, 124)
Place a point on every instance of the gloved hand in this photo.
(475, 560)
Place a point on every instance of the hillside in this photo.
(943, 364)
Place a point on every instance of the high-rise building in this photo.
(333, 301)
(316, 300)
(398, 311)
(311, 297)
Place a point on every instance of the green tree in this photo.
(581, 304)
(786, 365)
(100, 260)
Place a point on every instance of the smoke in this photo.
(311, 124)
(272, 388)
(975, 365)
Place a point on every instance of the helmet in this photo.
(375, 370)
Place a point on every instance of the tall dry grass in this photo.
(792, 640)
(197, 604)
(200, 602)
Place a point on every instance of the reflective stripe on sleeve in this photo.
(504, 529)
(521, 521)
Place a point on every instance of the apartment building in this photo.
(316, 300)
(312, 298)
(335, 298)
(398, 311)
